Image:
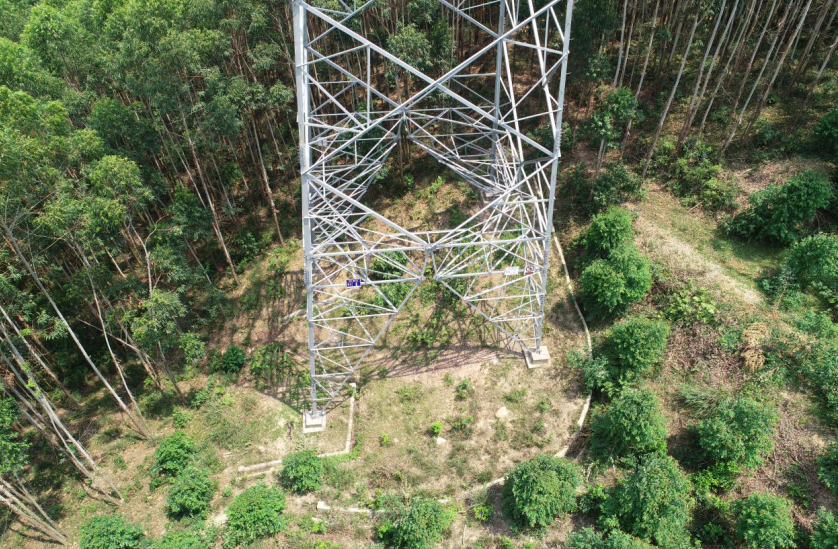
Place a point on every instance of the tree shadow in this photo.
(18, 528)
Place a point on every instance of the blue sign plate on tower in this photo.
(353, 283)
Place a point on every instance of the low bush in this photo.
(819, 368)
(109, 532)
(813, 264)
(233, 360)
(609, 286)
(254, 514)
(594, 369)
(173, 454)
(539, 490)
(614, 185)
(632, 425)
(825, 534)
(183, 539)
(191, 493)
(828, 467)
(302, 471)
(270, 364)
(607, 232)
(611, 117)
(737, 432)
(764, 521)
(825, 133)
(695, 175)
(690, 305)
(386, 267)
(814, 260)
(633, 347)
(653, 503)
(588, 538)
(779, 213)
(421, 524)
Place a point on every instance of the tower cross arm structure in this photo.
(493, 115)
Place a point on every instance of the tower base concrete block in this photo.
(537, 359)
(313, 423)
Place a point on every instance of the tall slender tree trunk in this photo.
(692, 107)
(779, 66)
(642, 72)
(34, 353)
(741, 114)
(739, 45)
(13, 240)
(826, 59)
(14, 499)
(671, 97)
(620, 54)
(268, 192)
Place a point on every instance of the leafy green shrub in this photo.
(588, 538)
(173, 454)
(302, 471)
(435, 428)
(738, 431)
(183, 539)
(609, 286)
(611, 116)
(695, 175)
(181, 417)
(614, 185)
(254, 514)
(269, 363)
(386, 267)
(817, 324)
(594, 369)
(633, 347)
(607, 232)
(825, 133)
(690, 305)
(464, 389)
(539, 490)
(828, 467)
(764, 521)
(819, 367)
(632, 425)
(815, 259)
(232, 361)
(813, 263)
(418, 525)
(653, 502)
(825, 535)
(483, 512)
(191, 493)
(778, 213)
(109, 532)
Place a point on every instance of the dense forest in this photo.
(150, 205)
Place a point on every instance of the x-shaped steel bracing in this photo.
(480, 117)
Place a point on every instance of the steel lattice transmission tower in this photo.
(475, 114)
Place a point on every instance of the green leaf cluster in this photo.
(302, 471)
(539, 490)
(419, 524)
(632, 425)
(779, 213)
(764, 521)
(254, 514)
(109, 532)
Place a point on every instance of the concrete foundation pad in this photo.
(537, 359)
(313, 423)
